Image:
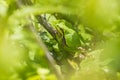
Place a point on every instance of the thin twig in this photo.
(51, 60)
(42, 20)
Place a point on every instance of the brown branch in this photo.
(42, 20)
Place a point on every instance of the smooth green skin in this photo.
(68, 39)
(71, 37)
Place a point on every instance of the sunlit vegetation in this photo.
(59, 40)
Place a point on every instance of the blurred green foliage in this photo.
(85, 44)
